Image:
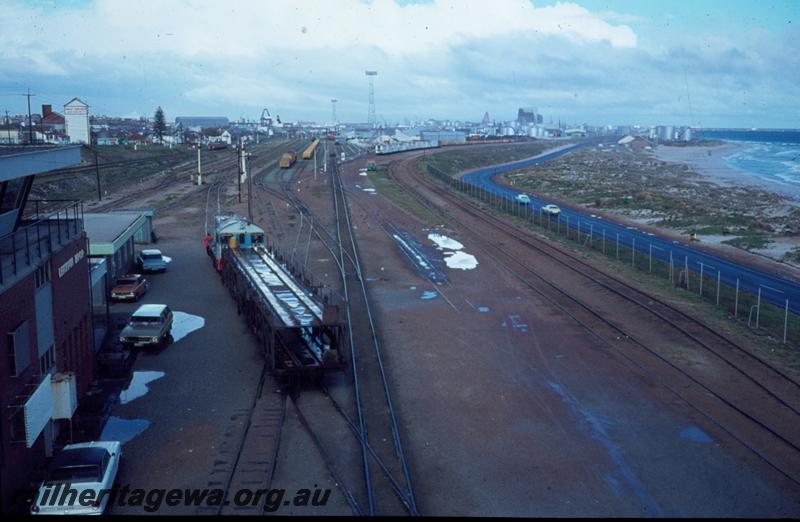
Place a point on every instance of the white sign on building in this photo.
(76, 120)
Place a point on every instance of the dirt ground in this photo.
(506, 407)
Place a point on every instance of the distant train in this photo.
(309, 152)
(288, 159)
(217, 145)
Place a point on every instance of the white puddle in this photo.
(183, 324)
(138, 386)
(123, 430)
(445, 242)
(460, 260)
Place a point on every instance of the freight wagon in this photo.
(309, 152)
(288, 159)
(299, 334)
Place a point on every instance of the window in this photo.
(42, 275)
(19, 349)
(47, 361)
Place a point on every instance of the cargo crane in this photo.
(265, 123)
(299, 334)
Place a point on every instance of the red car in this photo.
(130, 288)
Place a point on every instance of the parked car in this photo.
(130, 287)
(551, 210)
(151, 261)
(150, 325)
(84, 467)
(523, 199)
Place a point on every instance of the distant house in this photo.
(51, 120)
(135, 138)
(10, 134)
(107, 138)
(218, 136)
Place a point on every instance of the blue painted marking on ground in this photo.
(419, 257)
(427, 294)
(695, 434)
(775, 288)
(598, 432)
(123, 430)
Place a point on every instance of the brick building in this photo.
(46, 357)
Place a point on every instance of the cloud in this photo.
(442, 58)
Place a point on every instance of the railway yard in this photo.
(489, 370)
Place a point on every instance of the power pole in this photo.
(249, 186)
(97, 174)
(199, 167)
(30, 121)
(239, 164)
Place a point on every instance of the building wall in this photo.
(76, 119)
(72, 348)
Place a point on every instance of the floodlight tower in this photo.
(371, 112)
(333, 105)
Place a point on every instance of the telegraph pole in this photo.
(30, 121)
(239, 164)
(199, 167)
(97, 174)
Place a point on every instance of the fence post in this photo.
(651, 259)
(718, 281)
(785, 320)
(617, 246)
(758, 307)
(736, 301)
(604, 240)
(686, 267)
(633, 252)
(671, 269)
(701, 279)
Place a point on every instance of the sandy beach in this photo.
(681, 189)
(709, 161)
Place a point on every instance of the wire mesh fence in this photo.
(758, 310)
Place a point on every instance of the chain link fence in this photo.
(758, 311)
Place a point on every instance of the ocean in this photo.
(772, 155)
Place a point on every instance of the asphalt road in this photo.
(209, 379)
(775, 289)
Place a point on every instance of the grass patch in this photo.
(395, 193)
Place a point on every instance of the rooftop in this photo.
(108, 232)
(150, 310)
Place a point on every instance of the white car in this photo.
(89, 469)
(523, 199)
(551, 210)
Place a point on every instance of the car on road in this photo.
(151, 261)
(551, 210)
(88, 468)
(130, 287)
(523, 199)
(150, 325)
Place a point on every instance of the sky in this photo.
(732, 63)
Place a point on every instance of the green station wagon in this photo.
(150, 325)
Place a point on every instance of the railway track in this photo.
(368, 369)
(746, 397)
(375, 461)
